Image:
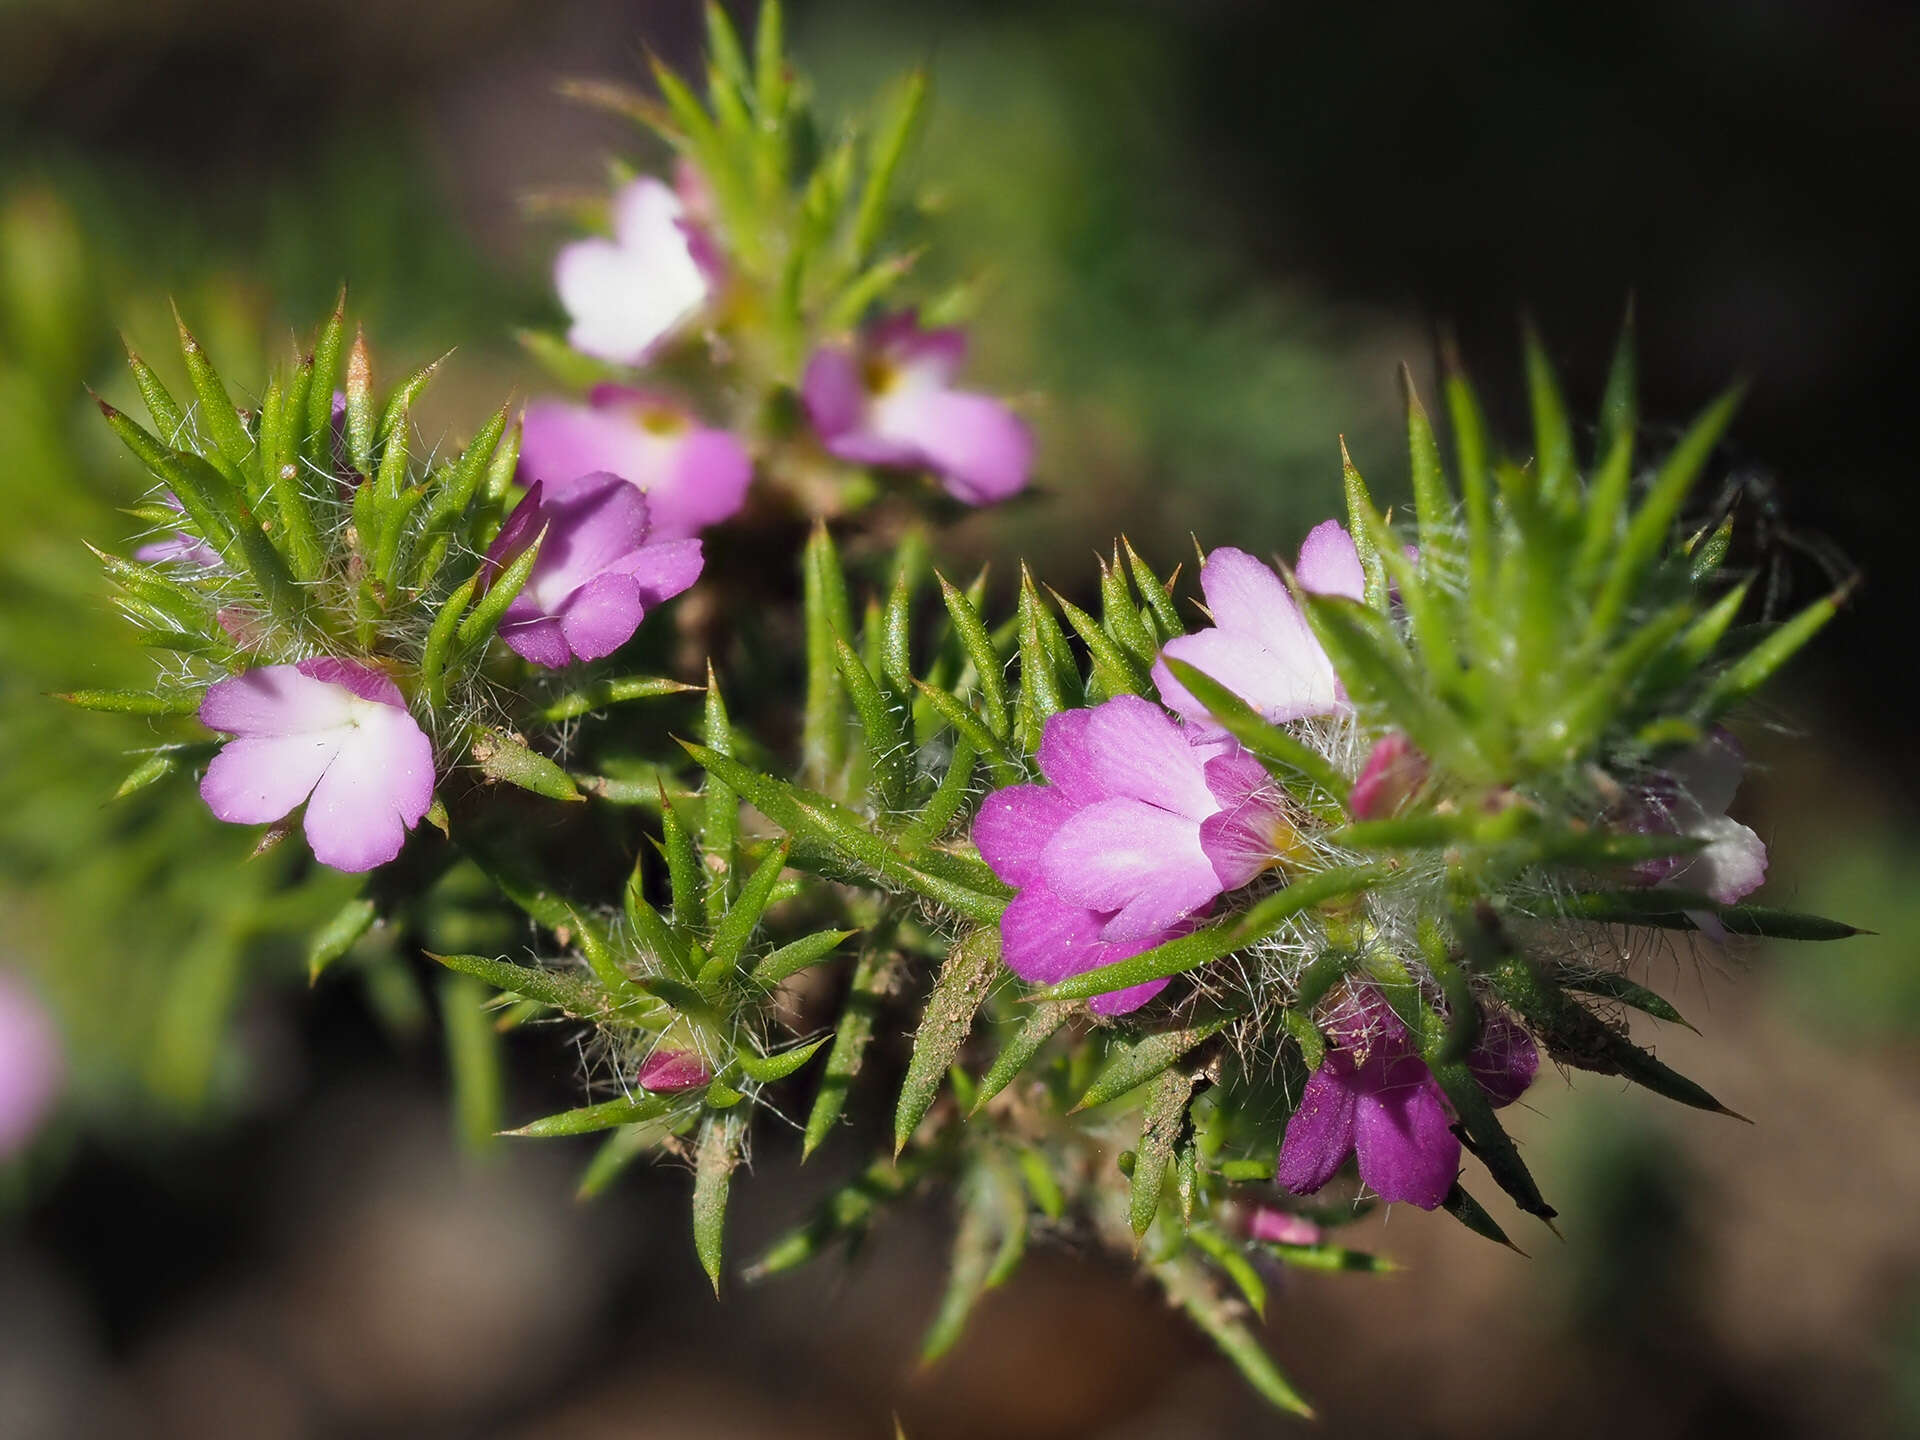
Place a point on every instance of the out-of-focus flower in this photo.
(1282, 1227)
(1394, 769)
(1136, 833)
(692, 476)
(600, 569)
(889, 401)
(32, 1065)
(667, 1070)
(1690, 797)
(1374, 1097)
(629, 294)
(1259, 645)
(187, 549)
(329, 729)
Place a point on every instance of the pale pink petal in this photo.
(377, 788)
(274, 700)
(705, 481)
(258, 779)
(363, 680)
(1140, 862)
(1329, 564)
(1733, 865)
(1280, 686)
(1141, 753)
(981, 450)
(628, 295)
(1068, 759)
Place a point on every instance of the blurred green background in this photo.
(1211, 230)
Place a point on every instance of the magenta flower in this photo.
(1374, 1097)
(187, 549)
(692, 476)
(1133, 837)
(333, 733)
(665, 1071)
(1690, 797)
(889, 401)
(1259, 645)
(630, 294)
(599, 572)
(32, 1065)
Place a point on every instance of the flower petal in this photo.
(1043, 939)
(1329, 563)
(601, 615)
(377, 788)
(662, 570)
(981, 450)
(1014, 826)
(538, 638)
(1404, 1137)
(275, 700)
(832, 393)
(1320, 1135)
(1142, 754)
(1126, 856)
(258, 779)
(1504, 1059)
(628, 295)
(1282, 686)
(1119, 1002)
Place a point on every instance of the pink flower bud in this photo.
(1281, 1227)
(1394, 770)
(669, 1070)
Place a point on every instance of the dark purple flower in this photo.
(1135, 834)
(630, 294)
(329, 729)
(692, 476)
(32, 1065)
(599, 572)
(1259, 645)
(1374, 1097)
(667, 1070)
(889, 401)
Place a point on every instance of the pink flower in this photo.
(1259, 645)
(668, 1070)
(890, 402)
(692, 476)
(32, 1065)
(1136, 834)
(1374, 1096)
(600, 569)
(329, 729)
(630, 294)
(1282, 1227)
(187, 549)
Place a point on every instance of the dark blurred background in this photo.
(1213, 229)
